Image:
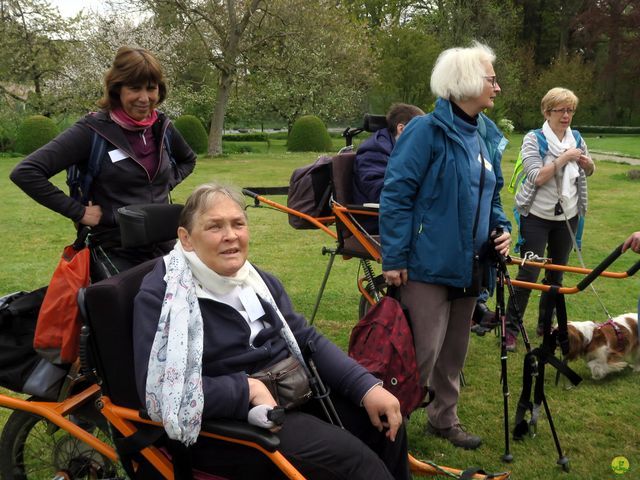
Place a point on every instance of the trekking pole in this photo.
(500, 313)
(320, 391)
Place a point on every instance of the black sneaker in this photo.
(457, 435)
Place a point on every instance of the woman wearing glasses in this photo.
(439, 203)
(552, 197)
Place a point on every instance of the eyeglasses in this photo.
(569, 111)
(493, 80)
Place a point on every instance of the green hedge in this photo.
(246, 137)
(193, 132)
(35, 131)
(309, 134)
(606, 129)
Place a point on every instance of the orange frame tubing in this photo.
(319, 222)
(342, 213)
(598, 271)
(124, 419)
(423, 469)
(55, 411)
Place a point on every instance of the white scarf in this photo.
(556, 148)
(174, 380)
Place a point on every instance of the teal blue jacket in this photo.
(426, 213)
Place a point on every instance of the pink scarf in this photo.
(121, 117)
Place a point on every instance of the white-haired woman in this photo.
(240, 322)
(553, 195)
(440, 203)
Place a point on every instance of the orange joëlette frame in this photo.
(124, 420)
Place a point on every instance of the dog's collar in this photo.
(616, 328)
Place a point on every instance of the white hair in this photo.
(458, 72)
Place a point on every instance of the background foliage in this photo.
(596, 421)
(263, 63)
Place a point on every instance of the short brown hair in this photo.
(401, 113)
(201, 198)
(558, 96)
(131, 67)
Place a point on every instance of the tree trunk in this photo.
(219, 110)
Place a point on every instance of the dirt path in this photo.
(615, 158)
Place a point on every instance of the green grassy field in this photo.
(596, 421)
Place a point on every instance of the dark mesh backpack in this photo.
(21, 368)
(382, 342)
(309, 192)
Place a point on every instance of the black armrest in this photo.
(242, 431)
(364, 208)
(142, 225)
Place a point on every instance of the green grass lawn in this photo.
(596, 421)
(625, 145)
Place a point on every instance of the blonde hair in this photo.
(558, 96)
(202, 198)
(458, 72)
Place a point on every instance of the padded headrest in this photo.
(142, 225)
(342, 177)
(373, 123)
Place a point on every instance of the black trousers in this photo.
(539, 234)
(316, 448)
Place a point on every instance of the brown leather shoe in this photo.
(457, 435)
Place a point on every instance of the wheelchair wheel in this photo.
(33, 448)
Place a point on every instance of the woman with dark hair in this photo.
(440, 214)
(143, 159)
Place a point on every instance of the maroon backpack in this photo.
(382, 342)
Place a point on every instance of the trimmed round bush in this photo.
(193, 132)
(309, 134)
(35, 131)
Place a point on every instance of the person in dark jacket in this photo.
(439, 205)
(136, 167)
(373, 154)
(237, 320)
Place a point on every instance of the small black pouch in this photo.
(287, 381)
(557, 210)
(477, 281)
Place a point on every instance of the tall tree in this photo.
(321, 67)
(33, 40)
(610, 31)
(406, 55)
(227, 31)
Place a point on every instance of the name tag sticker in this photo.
(117, 155)
(487, 165)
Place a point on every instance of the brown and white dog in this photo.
(606, 347)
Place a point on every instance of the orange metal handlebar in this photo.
(319, 222)
(590, 274)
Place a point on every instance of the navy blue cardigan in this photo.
(227, 355)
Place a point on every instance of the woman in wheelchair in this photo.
(206, 321)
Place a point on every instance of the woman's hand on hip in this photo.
(92, 215)
(396, 277)
(379, 403)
